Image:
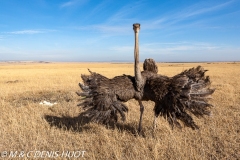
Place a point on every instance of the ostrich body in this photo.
(176, 98)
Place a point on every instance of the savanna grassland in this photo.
(25, 125)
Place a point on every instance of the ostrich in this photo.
(176, 98)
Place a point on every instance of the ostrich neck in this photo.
(137, 70)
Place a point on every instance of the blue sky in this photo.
(95, 30)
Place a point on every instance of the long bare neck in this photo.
(137, 71)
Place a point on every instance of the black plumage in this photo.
(176, 98)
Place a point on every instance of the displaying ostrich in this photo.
(176, 98)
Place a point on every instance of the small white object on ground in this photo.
(47, 103)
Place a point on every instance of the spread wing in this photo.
(179, 97)
(104, 97)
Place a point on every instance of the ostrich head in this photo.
(136, 27)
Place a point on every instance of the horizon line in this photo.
(112, 61)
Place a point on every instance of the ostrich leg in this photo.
(141, 113)
(155, 123)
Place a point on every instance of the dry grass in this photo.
(28, 126)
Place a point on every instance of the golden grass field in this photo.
(25, 125)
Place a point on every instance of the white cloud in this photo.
(26, 32)
(126, 12)
(172, 18)
(72, 3)
(99, 8)
(120, 21)
(67, 4)
(182, 51)
(199, 9)
(159, 48)
(30, 31)
(107, 30)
